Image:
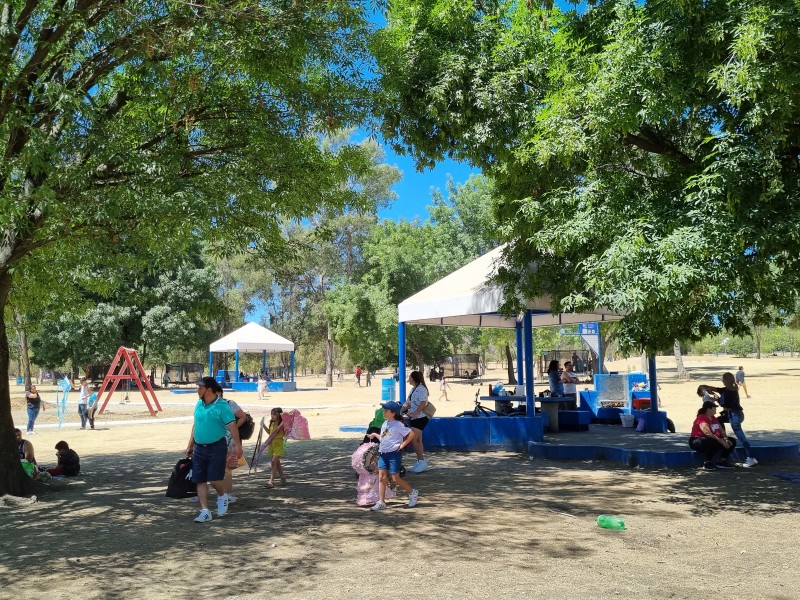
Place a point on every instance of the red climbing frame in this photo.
(126, 365)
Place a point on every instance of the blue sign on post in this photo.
(588, 329)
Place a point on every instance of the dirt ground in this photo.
(487, 524)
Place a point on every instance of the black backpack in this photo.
(247, 428)
(180, 482)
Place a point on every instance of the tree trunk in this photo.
(329, 359)
(13, 479)
(644, 365)
(512, 380)
(420, 360)
(757, 335)
(676, 348)
(23, 348)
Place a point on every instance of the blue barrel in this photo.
(20, 380)
(387, 389)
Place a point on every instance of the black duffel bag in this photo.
(180, 482)
(247, 428)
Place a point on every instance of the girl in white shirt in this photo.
(394, 436)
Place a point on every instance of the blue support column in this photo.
(292, 366)
(527, 325)
(401, 359)
(264, 361)
(655, 420)
(236, 375)
(211, 364)
(520, 377)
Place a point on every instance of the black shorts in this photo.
(420, 423)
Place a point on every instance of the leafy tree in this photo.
(150, 125)
(400, 259)
(644, 153)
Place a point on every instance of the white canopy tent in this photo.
(466, 298)
(252, 337)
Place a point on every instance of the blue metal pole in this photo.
(520, 377)
(401, 359)
(651, 367)
(264, 362)
(292, 367)
(527, 324)
(236, 375)
(210, 364)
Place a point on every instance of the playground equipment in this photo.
(126, 366)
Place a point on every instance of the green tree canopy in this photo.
(150, 125)
(645, 153)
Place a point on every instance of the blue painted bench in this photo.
(574, 420)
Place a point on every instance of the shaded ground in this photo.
(487, 524)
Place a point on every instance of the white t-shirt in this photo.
(392, 435)
(228, 437)
(84, 395)
(571, 388)
(417, 397)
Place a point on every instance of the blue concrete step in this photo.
(649, 457)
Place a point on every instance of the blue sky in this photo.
(414, 190)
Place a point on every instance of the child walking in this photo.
(443, 388)
(276, 446)
(394, 436)
(262, 387)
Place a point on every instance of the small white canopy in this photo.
(465, 299)
(252, 338)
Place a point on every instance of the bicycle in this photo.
(479, 410)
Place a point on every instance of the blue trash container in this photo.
(20, 380)
(387, 389)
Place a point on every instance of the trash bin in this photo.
(20, 380)
(387, 389)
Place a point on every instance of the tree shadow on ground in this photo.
(114, 530)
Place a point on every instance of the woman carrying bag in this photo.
(415, 409)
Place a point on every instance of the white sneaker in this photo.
(222, 505)
(421, 466)
(412, 498)
(203, 517)
(231, 498)
(750, 462)
(379, 505)
(413, 468)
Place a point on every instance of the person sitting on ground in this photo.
(24, 447)
(69, 463)
(708, 437)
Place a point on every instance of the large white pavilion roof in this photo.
(466, 299)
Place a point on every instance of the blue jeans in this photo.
(32, 414)
(84, 413)
(736, 419)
